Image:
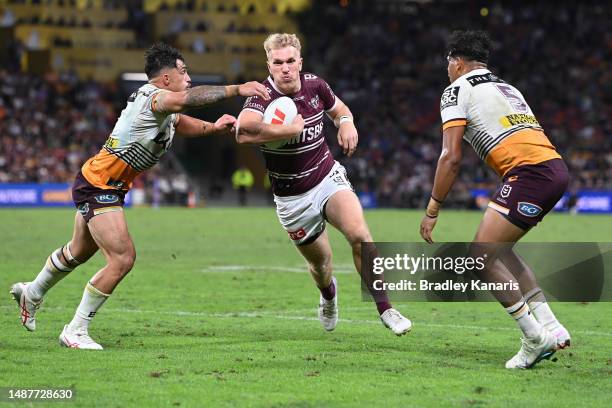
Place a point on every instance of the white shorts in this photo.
(302, 215)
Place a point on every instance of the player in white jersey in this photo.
(309, 186)
(143, 133)
(493, 117)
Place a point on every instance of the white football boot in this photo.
(394, 320)
(77, 339)
(328, 310)
(27, 307)
(534, 350)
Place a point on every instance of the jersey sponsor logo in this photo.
(528, 209)
(309, 77)
(483, 79)
(519, 119)
(308, 134)
(505, 191)
(297, 235)
(314, 102)
(106, 198)
(111, 143)
(298, 98)
(254, 105)
(450, 97)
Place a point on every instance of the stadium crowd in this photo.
(387, 63)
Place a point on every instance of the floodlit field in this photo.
(220, 311)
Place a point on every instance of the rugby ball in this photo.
(280, 111)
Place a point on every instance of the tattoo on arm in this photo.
(204, 94)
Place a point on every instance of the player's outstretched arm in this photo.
(446, 173)
(251, 130)
(198, 96)
(192, 127)
(347, 132)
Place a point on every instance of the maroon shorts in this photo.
(91, 201)
(529, 192)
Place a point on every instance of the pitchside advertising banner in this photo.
(40, 195)
(461, 271)
(585, 201)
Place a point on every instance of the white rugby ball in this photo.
(280, 111)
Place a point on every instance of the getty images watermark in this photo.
(485, 271)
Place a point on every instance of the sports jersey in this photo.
(305, 160)
(500, 125)
(140, 137)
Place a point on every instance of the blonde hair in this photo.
(281, 40)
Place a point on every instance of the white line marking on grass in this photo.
(290, 269)
(275, 315)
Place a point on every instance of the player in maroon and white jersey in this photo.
(309, 186)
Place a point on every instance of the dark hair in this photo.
(160, 56)
(471, 45)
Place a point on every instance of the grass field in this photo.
(219, 311)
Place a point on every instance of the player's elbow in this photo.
(451, 158)
(242, 137)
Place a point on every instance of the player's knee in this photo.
(322, 265)
(124, 262)
(358, 235)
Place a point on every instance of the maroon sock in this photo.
(383, 306)
(329, 292)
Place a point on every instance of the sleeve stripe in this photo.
(454, 123)
(253, 110)
(450, 120)
(335, 103)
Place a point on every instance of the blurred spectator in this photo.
(242, 181)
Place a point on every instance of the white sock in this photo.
(541, 309)
(53, 272)
(526, 321)
(92, 300)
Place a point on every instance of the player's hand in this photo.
(348, 137)
(253, 88)
(225, 125)
(427, 226)
(298, 124)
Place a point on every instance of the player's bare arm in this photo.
(198, 96)
(250, 129)
(187, 126)
(446, 174)
(347, 132)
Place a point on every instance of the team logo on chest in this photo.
(314, 102)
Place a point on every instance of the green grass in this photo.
(178, 332)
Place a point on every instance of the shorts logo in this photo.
(83, 209)
(297, 235)
(106, 198)
(450, 97)
(505, 191)
(528, 209)
(340, 178)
